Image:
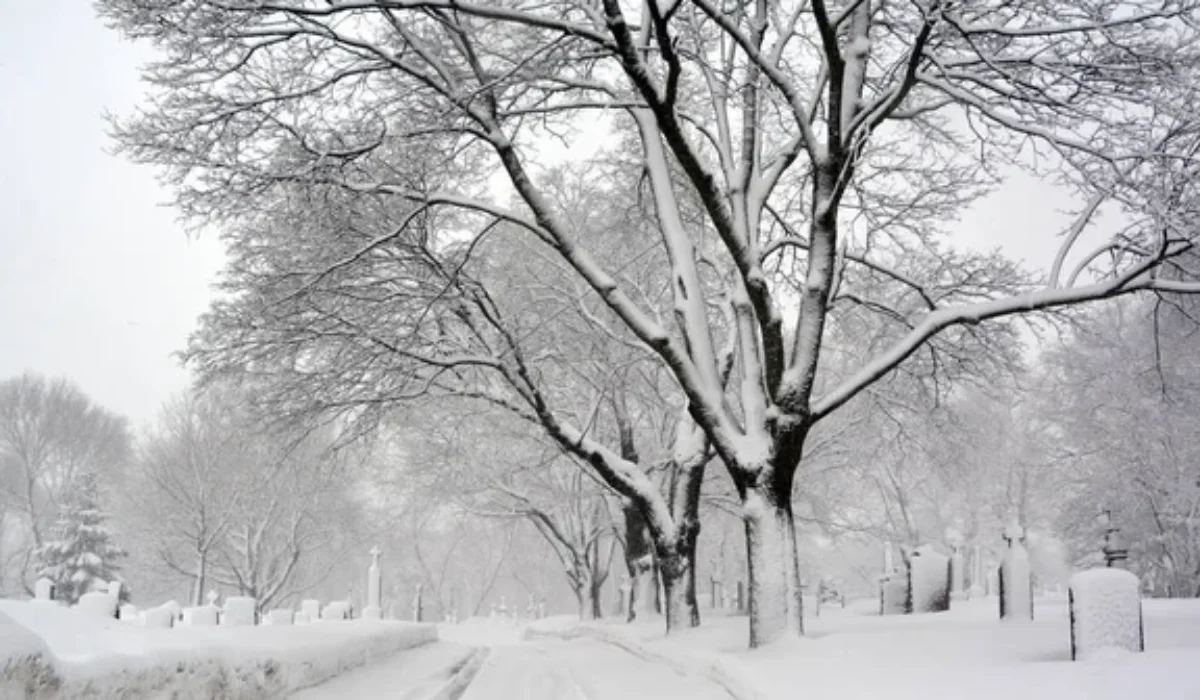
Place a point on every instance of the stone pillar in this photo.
(374, 609)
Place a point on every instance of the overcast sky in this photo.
(98, 281)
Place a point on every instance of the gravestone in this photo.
(929, 581)
(239, 611)
(175, 609)
(311, 608)
(1016, 580)
(978, 588)
(894, 594)
(958, 586)
(200, 616)
(43, 590)
(280, 617)
(160, 617)
(418, 605)
(336, 610)
(97, 604)
(1106, 612)
(301, 618)
(374, 609)
(127, 613)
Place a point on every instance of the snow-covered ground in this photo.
(854, 654)
(96, 658)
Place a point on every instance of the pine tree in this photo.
(80, 552)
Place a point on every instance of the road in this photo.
(579, 669)
(414, 674)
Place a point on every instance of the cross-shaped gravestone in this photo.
(212, 598)
(1014, 533)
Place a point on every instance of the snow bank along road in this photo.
(579, 669)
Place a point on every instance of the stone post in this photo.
(418, 605)
(374, 609)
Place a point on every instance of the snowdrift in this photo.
(48, 651)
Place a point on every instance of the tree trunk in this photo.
(674, 571)
(597, 602)
(639, 561)
(201, 575)
(775, 601)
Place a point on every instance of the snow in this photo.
(94, 657)
(854, 654)
(411, 673)
(1106, 612)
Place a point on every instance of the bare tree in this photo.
(824, 145)
(50, 432)
(221, 503)
(1120, 410)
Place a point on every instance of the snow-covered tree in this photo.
(80, 553)
(795, 155)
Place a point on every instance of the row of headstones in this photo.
(1105, 602)
(238, 611)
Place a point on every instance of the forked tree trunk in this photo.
(775, 601)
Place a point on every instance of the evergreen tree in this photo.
(81, 552)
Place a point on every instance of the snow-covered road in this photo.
(414, 674)
(579, 669)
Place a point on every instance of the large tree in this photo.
(795, 154)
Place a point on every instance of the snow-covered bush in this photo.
(1106, 612)
(53, 652)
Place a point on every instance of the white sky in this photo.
(97, 280)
